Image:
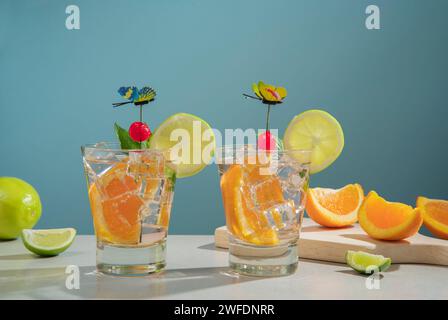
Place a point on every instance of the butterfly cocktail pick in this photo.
(269, 95)
(139, 131)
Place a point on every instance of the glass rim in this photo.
(238, 153)
(238, 147)
(115, 147)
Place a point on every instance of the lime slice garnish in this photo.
(191, 142)
(49, 242)
(367, 263)
(318, 131)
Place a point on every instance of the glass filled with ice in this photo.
(131, 194)
(263, 195)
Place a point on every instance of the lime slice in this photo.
(318, 131)
(49, 242)
(191, 142)
(367, 263)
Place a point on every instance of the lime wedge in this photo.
(49, 242)
(318, 131)
(190, 139)
(367, 263)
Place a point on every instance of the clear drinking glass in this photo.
(130, 193)
(264, 197)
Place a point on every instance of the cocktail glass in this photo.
(264, 198)
(130, 193)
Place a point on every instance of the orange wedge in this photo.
(435, 216)
(335, 207)
(386, 220)
(242, 220)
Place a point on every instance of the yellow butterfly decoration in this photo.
(267, 93)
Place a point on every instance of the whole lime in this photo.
(20, 207)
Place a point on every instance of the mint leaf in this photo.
(170, 174)
(126, 141)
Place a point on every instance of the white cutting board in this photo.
(320, 243)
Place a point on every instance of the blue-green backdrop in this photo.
(387, 87)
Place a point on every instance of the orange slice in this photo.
(435, 216)
(115, 208)
(335, 207)
(386, 220)
(242, 220)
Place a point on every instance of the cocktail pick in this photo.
(269, 95)
(138, 131)
(135, 96)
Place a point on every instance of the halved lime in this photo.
(318, 131)
(190, 139)
(367, 263)
(48, 242)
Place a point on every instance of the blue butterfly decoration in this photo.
(135, 96)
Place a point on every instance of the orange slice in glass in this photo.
(115, 207)
(242, 219)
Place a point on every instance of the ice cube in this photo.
(263, 192)
(151, 189)
(149, 213)
(146, 164)
(292, 175)
(154, 203)
(98, 160)
(281, 215)
(277, 198)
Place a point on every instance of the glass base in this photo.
(263, 261)
(130, 260)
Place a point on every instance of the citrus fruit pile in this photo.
(319, 131)
(379, 218)
(20, 209)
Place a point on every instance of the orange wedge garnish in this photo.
(335, 207)
(435, 216)
(386, 220)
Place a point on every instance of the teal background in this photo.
(388, 89)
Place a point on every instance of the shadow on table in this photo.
(50, 283)
(32, 256)
(211, 246)
(23, 256)
(166, 283)
(32, 283)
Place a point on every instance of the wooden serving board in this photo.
(320, 243)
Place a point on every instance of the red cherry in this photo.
(266, 141)
(139, 131)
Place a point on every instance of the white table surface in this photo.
(197, 270)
